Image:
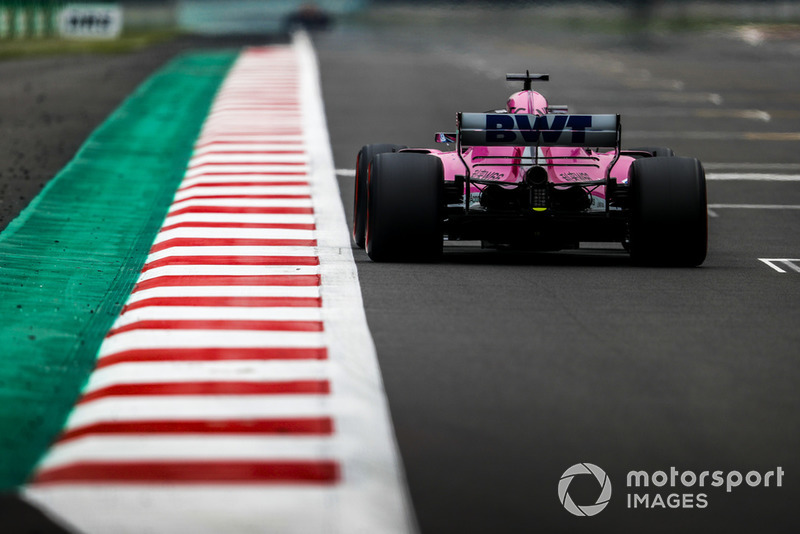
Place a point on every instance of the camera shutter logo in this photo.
(584, 469)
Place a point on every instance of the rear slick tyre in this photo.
(363, 160)
(669, 213)
(404, 207)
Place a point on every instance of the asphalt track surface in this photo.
(503, 370)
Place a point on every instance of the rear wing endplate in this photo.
(497, 129)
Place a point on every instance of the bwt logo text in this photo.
(499, 127)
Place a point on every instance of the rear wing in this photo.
(552, 129)
(498, 129)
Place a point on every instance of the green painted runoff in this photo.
(70, 260)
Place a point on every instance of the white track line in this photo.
(381, 503)
(716, 136)
(241, 218)
(225, 291)
(202, 505)
(234, 159)
(232, 251)
(198, 408)
(755, 206)
(224, 138)
(216, 148)
(785, 262)
(262, 180)
(217, 313)
(228, 270)
(210, 191)
(205, 170)
(156, 372)
(751, 167)
(242, 203)
(197, 339)
(187, 448)
(752, 177)
(249, 233)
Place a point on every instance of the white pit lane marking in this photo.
(243, 202)
(754, 206)
(751, 176)
(217, 313)
(716, 136)
(241, 233)
(231, 251)
(276, 168)
(223, 139)
(224, 291)
(784, 262)
(200, 339)
(242, 191)
(227, 270)
(241, 218)
(239, 159)
(197, 407)
(186, 447)
(225, 370)
(245, 147)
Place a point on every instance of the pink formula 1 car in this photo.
(530, 177)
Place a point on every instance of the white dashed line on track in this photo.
(778, 264)
(754, 206)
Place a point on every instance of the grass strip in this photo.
(128, 42)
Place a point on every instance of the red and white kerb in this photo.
(238, 389)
